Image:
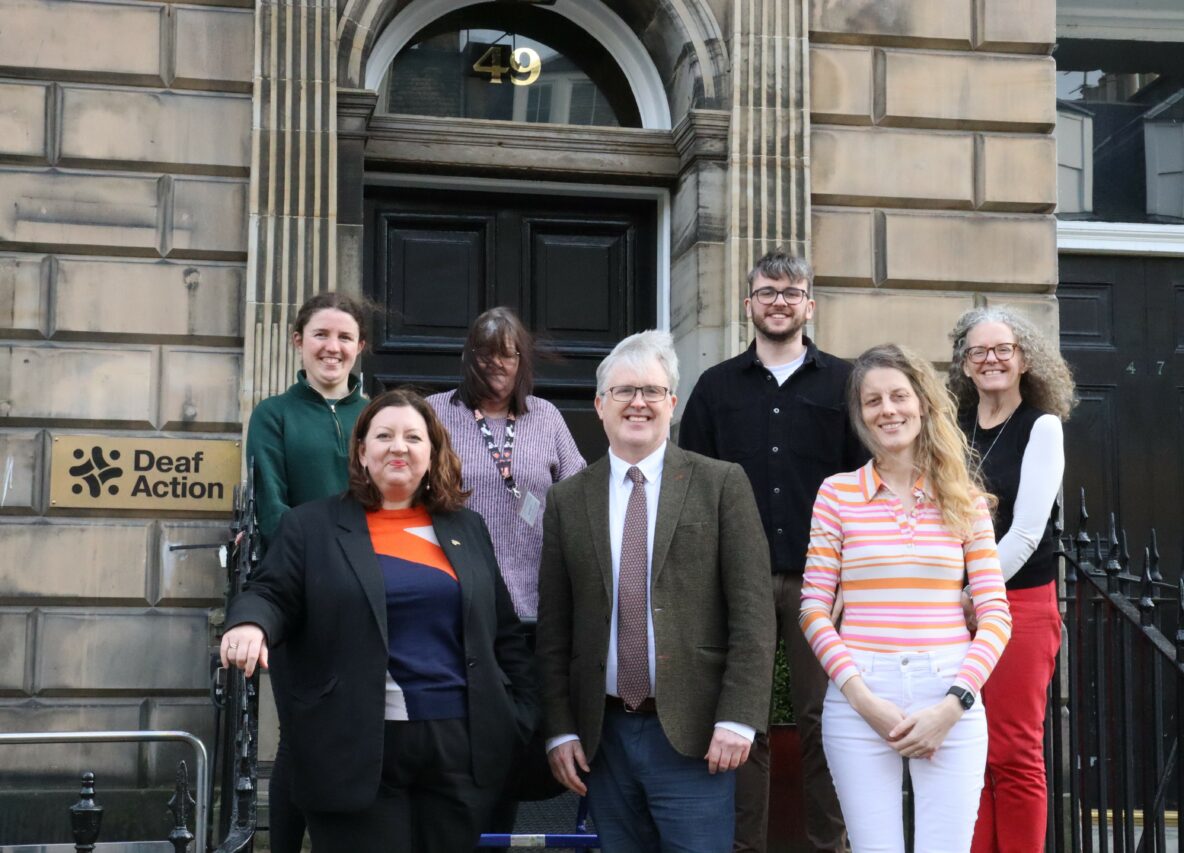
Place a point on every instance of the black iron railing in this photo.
(86, 815)
(1113, 734)
(236, 697)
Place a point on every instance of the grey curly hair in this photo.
(1048, 382)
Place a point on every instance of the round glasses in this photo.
(1003, 352)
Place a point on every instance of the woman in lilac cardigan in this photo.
(512, 447)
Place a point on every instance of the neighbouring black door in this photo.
(1122, 331)
(581, 272)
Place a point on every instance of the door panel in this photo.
(1122, 331)
(421, 251)
(580, 272)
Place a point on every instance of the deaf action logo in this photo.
(163, 474)
(95, 472)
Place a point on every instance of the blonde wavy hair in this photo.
(1047, 384)
(942, 449)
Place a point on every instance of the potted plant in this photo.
(787, 817)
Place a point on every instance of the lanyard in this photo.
(501, 458)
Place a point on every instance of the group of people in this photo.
(894, 532)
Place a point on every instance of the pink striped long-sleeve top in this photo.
(901, 575)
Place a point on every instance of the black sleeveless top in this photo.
(1004, 446)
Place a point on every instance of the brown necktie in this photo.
(633, 665)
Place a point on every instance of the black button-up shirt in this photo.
(788, 438)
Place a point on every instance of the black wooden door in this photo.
(581, 272)
(1122, 330)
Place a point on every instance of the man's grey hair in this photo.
(778, 265)
(639, 351)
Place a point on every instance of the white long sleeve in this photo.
(1041, 471)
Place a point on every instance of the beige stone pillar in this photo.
(293, 205)
(768, 175)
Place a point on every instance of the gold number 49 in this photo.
(524, 60)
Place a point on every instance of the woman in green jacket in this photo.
(298, 445)
(299, 440)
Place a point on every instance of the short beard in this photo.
(780, 337)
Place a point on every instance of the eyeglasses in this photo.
(626, 393)
(487, 357)
(1003, 352)
(768, 295)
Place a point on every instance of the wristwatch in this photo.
(964, 696)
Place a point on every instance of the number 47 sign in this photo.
(499, 60)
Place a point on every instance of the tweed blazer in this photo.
(710, 596)
(319, 594)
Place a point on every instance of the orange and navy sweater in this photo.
(425, 664)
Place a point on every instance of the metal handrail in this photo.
(199, 748)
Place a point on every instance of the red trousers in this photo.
(1013, 810)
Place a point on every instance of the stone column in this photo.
(768, 141)
(293, 204)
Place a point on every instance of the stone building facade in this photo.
(176, 178)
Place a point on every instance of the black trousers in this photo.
(428, 801)
(285, 820)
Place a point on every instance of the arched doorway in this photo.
(461, 213)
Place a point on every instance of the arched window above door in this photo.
(511, 63)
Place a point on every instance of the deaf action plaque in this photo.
(126, 472)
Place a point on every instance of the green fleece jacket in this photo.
(299, 442)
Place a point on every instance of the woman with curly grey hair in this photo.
(1013, 391)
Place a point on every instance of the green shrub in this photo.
(782, 710)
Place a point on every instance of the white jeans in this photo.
(868, 772)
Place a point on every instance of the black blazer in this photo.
(319, 592)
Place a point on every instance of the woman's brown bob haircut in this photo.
(440, 490)
(496, 332)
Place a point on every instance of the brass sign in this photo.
(126, 472)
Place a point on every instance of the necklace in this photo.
(974, 438)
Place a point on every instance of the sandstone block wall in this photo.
(933, 166)
(124, 160)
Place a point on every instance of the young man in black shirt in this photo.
(779, 409)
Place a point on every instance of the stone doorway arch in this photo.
(689, 58)
(734, 159)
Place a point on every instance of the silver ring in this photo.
(232, 646)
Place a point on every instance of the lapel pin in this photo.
(456, 543)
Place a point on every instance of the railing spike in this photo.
(86, 817)
(1147, 592)
(1112, 566)
(1154, 548)
(1124, 554)
(180, 836)
(1082, 540)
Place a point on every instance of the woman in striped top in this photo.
(894, 543)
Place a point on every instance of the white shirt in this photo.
(781, 372)
(1041, 470)
(620, 488)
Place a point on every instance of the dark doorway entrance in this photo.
(581, 272)
(1122, 330)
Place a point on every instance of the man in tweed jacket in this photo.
(657, 768)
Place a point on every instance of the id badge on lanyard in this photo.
(503, 458)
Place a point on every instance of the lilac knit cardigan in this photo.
(544, 453)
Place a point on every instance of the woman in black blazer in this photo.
(411, 684)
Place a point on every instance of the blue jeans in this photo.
(646, 797)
